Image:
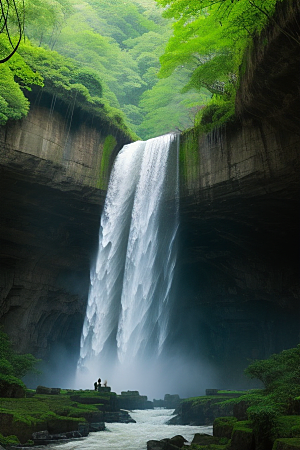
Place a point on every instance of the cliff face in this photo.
(239, 262)
(238, 280)
(51, 174)
(238, 272)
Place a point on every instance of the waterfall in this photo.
(130, 291)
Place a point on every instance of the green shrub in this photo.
(13, 364)
(9, 440)
(218, 112)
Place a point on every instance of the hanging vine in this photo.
(11, 22)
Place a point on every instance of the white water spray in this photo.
(129, 299)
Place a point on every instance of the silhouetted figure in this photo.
(95, 385)
(99, 382)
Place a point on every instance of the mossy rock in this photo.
(11, 387)
(242, 437)
(204, 439)
(55, 413)
(287, 444)
(223, 426)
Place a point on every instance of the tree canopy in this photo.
(13, 364)
(158, 61)
(210, 38)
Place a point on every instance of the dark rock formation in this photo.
(200, 411)
(164, 444)
(11, 390)
(133, 400)
(97, 426)
(121, 416)
(53, 180)
(238, 276)
(44, 438)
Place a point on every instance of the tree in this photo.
(210, 38)
(12, 363)
(13, 104)
(166, 109)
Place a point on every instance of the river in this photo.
(150, 424)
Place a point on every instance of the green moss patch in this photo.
(223, 426)
(56, 413)
(108, 147)
(287, 444)
(9, 440)
(242, 436)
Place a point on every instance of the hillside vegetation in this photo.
(154, 66)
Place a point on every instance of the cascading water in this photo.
(129, 299)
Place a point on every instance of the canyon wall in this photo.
(54, 175)
(238, 282)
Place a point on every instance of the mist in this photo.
(153, 377)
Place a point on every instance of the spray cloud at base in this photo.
(151, 377)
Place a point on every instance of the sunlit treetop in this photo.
(210, 37)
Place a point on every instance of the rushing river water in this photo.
(150, 424)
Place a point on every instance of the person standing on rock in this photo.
(95, 385)
(99, 383)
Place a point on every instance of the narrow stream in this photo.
(150, 424)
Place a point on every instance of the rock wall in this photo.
(238, 275)
(54, 173)
(237, 283)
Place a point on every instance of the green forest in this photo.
(149, 66)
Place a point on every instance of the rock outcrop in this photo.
(238, 282)
(238, 274)
(53, 180)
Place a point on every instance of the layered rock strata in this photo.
(54, 174)
(238, 282)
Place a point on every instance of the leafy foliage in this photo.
(15, 75)
(280, 372)
(113, 53)
(267, 407)
(13, 364)
(210, 39)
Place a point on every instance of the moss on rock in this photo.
(106, 161)
(287, 444)
(223, 426)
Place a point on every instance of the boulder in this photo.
(164, 444)
(242, 438)
(121, 416)
(44, 437)
(83, 428)
(97, 426)
(11, 390)
(40, 435)
(155, 445)
(203, 439)
(178, 441)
